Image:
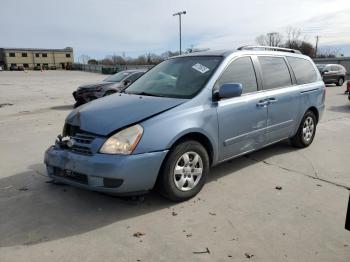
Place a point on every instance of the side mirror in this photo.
(228, 90)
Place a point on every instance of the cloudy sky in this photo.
(102, 27)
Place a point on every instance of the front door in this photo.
(242, 120)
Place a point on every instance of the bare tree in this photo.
(270, 39)
(293, 37)
(329, 52)
(84, 59)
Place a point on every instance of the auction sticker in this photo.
(200, 68)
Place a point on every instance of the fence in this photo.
(106, 69)
(344, 61)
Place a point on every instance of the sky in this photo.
(133, 27)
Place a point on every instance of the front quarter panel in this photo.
(162, 131)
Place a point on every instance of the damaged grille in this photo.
(79, 141)
(82, 143)
(70, 130)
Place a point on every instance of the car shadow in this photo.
(63, 107)
(33, 210)
(341, 108)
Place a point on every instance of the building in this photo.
(29, 58)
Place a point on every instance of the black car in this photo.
(332, 73)
(13, 68)
(108, 86)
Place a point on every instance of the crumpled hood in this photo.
(105, 115)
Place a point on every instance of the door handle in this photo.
(262, 103)
(272, 100)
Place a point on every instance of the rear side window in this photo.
(240, 71)
(303, 69)
(275, 72)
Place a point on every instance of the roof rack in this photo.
(272, 48)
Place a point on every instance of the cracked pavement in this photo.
(301, 221)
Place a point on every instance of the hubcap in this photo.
(308, 129)
(188, 171)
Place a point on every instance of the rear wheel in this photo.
(184, 172)
(306, 132)
(340, 81)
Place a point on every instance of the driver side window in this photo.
(240, 71)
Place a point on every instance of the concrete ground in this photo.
(238, 216)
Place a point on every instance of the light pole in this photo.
(179, 14)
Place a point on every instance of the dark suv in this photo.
(108, 86)
(332, 73)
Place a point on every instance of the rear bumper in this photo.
(116, 174)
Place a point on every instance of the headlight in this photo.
(124, 142)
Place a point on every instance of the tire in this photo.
(187, 181)
(340, 81)
(306, 131)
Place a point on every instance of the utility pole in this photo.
(179, 14)
(317, 39)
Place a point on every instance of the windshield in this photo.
(181, 77)
(118, 77)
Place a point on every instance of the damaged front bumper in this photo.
(117, 174)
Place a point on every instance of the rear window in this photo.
(275, 72)
(303, 70)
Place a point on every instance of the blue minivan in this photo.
(184, 116)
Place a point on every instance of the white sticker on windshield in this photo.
(200, 68)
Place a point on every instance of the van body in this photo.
(185, 115)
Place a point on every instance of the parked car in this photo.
(108, 86)
(53, 67)
(185, 115)
(1, 68)
(20, 68)
(13, 68)
(332, 73)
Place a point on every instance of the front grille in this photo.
(82, 143)
(70, 130)
(70, 175)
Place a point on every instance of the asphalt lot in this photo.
(238, 216)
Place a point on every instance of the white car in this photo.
(0, 68)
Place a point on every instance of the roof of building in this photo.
(67, 49)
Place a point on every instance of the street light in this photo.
(179, 14)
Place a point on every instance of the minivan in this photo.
(186, 115)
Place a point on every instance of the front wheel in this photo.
(184, 172)
(306, 132)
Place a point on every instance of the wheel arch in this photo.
(315, 111)
(200, 138)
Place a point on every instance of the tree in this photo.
(83, 59)
(306, 48)
(92, 62)
(293, 36)
(270, 39)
